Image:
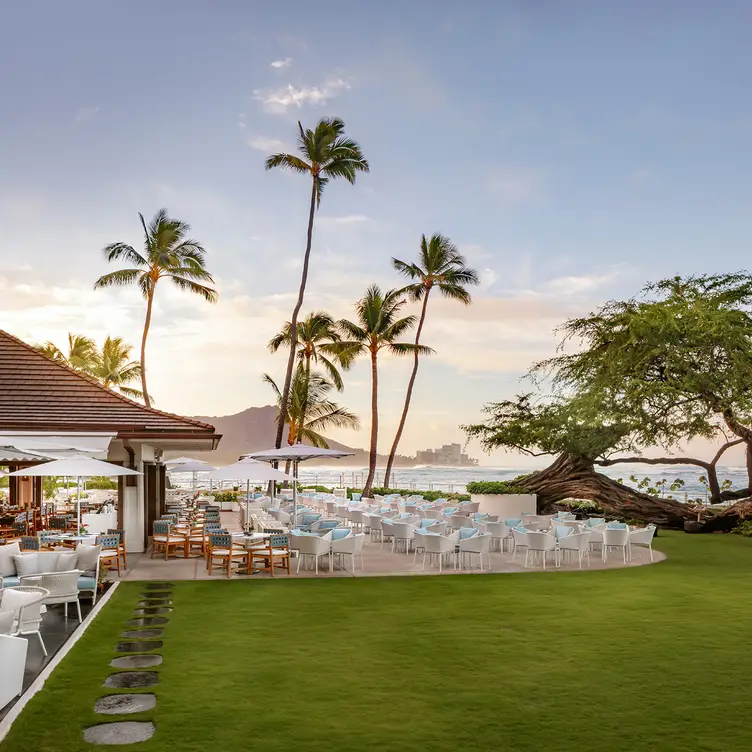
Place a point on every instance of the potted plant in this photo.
(502, 499)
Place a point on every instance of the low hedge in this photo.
(494, 487)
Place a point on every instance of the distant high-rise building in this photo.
(448, 455)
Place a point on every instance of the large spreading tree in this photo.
(664, 368)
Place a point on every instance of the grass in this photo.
(653, 658)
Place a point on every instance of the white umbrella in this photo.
(249, 470)
(185, 461)
(194, 466)
(76, 467)
(296, 453)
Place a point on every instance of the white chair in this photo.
(312, 547)
(434, 514)
(62, 587)
(440, 546)
(596, 537)
(355, 518)
(478, 545)
(642, 538)
(577, 544)
(24, 604)
(351, 546)
(519, 541)
(540, 545)
(404, 532)
(617, 538)
(499, 534)
(459, 520)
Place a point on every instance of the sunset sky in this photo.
(573, 151)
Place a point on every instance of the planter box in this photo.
(506, 505)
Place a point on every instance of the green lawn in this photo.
(653, 658)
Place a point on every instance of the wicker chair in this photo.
(62, 587)
(28, 616)
(164, 538)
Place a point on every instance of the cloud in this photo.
(85, 114)
(348, 219)
(515, 185)
(278, 101)
(281, 63)
(262, 143)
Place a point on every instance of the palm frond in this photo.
(408, 348)
(207, 293)
(118, 251)
(119, 278)
(287, 162)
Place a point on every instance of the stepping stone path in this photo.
(128, 732)
(136, 661)
(147, 615)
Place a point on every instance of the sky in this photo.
(573, 152)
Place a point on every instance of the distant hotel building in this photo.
(449, 455)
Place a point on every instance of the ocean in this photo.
(455, 479)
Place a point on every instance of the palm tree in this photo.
(439, 265)
(111, 366)
(82, 353)
(318, 340)
(309, 409)
(324, 154)
(378, 326)
(168, 253)
(116, 369)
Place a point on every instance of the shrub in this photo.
(743, 528)
(225, 495)
(585, 506)
(494, 487)
(100, 483)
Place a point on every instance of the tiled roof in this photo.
(37, 393)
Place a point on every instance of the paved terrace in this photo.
(377, 562)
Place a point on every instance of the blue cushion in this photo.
(521, 529)
(297, 531)
(87, 583)
(356, 496)
(428, 523)
(562, 531)
(468, 532)
(617, 526)
(11, 581)
(593, 521)
(385, 510)
(479, 516)
(512, 522)
(328, 524)
(340, 532)
(450, 511)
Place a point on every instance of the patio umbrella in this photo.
(192, 466)
(76, 467)
(296, 453)
(185, 461)
(249, 470)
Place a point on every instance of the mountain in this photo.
(255, 429)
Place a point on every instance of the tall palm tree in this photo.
(378, 326)
(116, 369)
(439, 265)
(309, 410)
(324, 153)
(168, 253)
(82, 353)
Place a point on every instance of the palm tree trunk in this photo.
(304, 406)
(374, 423)
(147, 323)
(294, 318)
(408, 394)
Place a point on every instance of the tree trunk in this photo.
(408, 394)
(147, 324)
(294, 318)
(374, 423)
(729, 518)
(570, 476)
(748, 454)
(304, 406)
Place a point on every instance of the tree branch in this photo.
(656, 461)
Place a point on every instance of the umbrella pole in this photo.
(247, 501)
(294, 494)
(78, 503)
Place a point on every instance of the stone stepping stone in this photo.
(156, 595)
(124, 704)
(136, 661)
(125, 732)
(152, 610)
(138, 647)
(154, 604)
(142, 633)
(147, 621)
(132, 680)
(158, 585)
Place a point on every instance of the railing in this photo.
(358, 480)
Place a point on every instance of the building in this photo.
(450, 455)
(49, 410)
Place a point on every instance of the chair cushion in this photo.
(468, 532)
(67, 561)
(12, 580)
(27, 564)
(12, 600)
(512, 522)
(7, 552)
(617, 526)
(521, 529)
(562, 531)
(6, 622)
(340, 532)
(88, 556)
(48, 561)
(87, 583)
